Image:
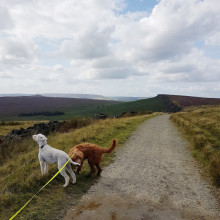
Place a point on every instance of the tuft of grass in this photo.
(202, 127)
(54, 200)
(16, 148)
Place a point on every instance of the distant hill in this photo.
(78, 96)
(185, 101)
(175, 103)
(160, 103)
(126, 98)
(11, 107)
(155, 104)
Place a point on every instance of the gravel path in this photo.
(153, 177)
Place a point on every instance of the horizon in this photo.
(133, 48)
(85, 94)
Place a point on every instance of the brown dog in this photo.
(92, 153)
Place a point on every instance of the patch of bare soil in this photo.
(153, 177)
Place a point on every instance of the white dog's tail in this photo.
(74, 163)
(71, 161)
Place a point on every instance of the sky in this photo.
(110, 47)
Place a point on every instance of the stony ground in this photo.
(153, 177)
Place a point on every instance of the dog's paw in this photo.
(66, 184)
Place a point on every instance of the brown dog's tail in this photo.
(110, 149)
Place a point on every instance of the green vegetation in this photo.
(54, 200)
(52, 113)
(202, 127)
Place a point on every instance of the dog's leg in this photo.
(92, 169)
(79, 168)
(63, 173)
(42, 167)
(45, 167)
(69, 169)
(99, 169)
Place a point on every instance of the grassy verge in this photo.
(55, 200)
(202, 127)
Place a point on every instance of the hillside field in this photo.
(11, 107)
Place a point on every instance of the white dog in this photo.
(47, 154)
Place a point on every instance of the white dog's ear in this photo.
(43, 138)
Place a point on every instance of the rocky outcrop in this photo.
(43, 128)
(169, 104)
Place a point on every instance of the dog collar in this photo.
(42, 146)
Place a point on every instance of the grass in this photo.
(54, 200)
(202, 127)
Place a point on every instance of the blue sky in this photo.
(117, 47)
(140, 5)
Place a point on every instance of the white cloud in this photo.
(5, 19)
(101, 42)
(5, 76)
(17, 51)
(58, 68)
(89, 43)
(213, 40)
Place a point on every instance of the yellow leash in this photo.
(38, 192)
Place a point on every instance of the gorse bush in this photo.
(75, 124)
(202, 126)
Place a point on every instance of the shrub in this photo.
(75, 123)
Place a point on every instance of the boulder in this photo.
(100, 116)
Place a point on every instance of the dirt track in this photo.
(153, 177)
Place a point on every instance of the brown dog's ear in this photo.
(72, 154)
